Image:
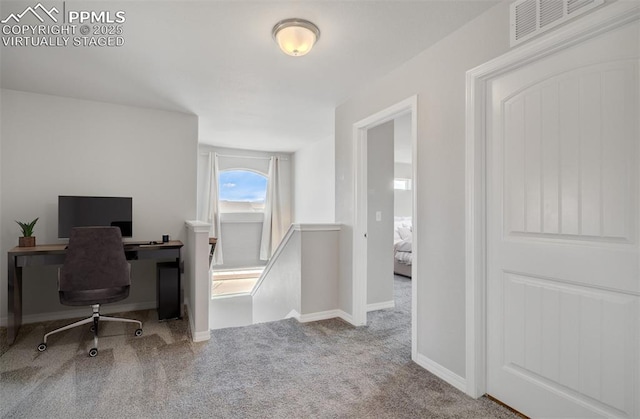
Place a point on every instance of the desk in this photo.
(54, 254)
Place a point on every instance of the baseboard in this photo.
(324, 315)
(201, 336)
(346, 317)
(442, 372)
(321, 315)
(293, 314)
(197, 336)
(190, 316)
(381, 306)
(85, 312)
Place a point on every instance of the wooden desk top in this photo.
(40, 248)
(52, 249)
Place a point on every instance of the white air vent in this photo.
(533, 17)
(550, 11)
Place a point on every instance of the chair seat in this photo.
(97, 296)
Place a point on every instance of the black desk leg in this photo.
(14, 298)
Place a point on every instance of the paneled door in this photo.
(563, 219)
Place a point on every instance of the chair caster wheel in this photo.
(42, 347)
(138, 332)
(93, 352)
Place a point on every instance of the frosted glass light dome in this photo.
(295, 37)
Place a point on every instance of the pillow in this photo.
(404, 233)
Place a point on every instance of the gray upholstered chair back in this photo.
(95, 260)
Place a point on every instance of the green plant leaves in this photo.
(27, 228)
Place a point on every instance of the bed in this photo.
(402, 245)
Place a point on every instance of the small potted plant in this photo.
(27, 239)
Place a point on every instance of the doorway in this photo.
(362, 214)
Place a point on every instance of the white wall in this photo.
(231, 311)
(279, 291)
(380, 200)
(319, 264)
(437, 75)
(197, 286)
(402, 138)
(314, 183)
(403, 200)
(59, 146)
(241, 243)
(306, 267)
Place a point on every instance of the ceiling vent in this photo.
(533, 17)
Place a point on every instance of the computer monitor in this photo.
(86, 211)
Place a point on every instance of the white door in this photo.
(563, 219)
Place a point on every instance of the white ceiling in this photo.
(216, 59)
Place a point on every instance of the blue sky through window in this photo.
(242, 186)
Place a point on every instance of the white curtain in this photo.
(276, 214)
(212, 206)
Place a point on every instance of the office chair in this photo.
(95, 271)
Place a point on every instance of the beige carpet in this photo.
(283, 369)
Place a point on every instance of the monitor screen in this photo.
(86, 211)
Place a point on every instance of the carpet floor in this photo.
(283, 369)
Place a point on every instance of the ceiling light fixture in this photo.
(295, 37)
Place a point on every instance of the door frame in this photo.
(602, 20)
(359, 284)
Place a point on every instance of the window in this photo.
(402, 184)
(242, 191)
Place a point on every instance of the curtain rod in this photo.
(244, 157)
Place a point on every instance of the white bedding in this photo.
(403, 245)
(404, 257)
(402, 240)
